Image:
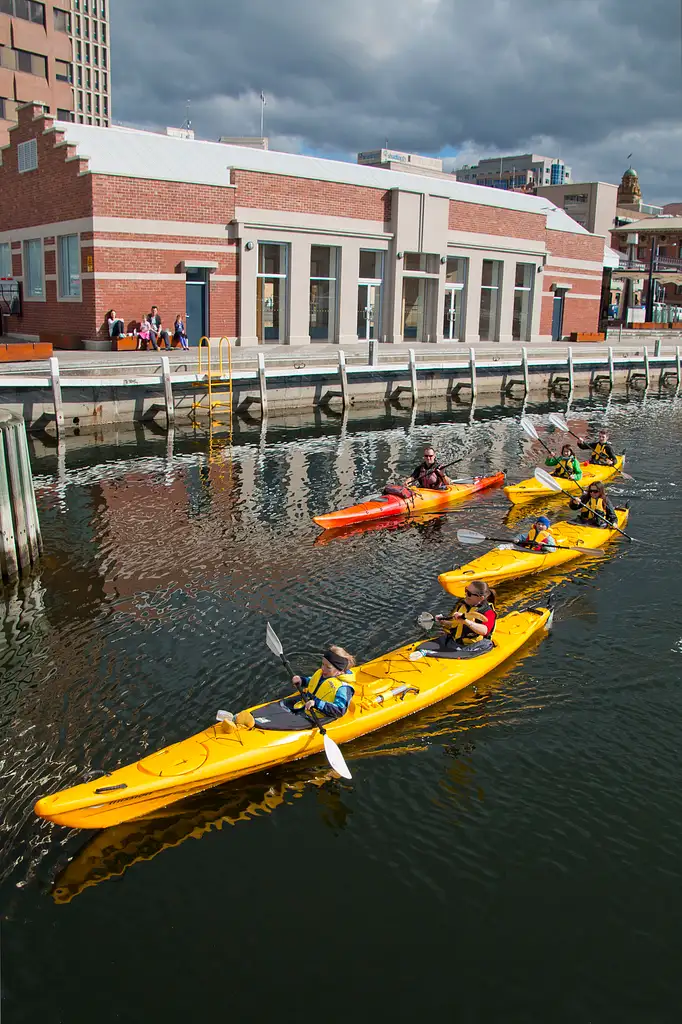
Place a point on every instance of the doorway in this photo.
(196, 305)
(453, 314)
(558, 315)
(369, 306)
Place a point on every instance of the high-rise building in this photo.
(55, 54)
(516, 172)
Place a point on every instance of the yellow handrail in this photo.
(201, 345)
(229, 364)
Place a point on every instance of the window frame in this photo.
(23, 149)
(62, 269)
(6, 247)
(25, 270)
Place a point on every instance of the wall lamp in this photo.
(444, 259)
(249, 246)
(399, 255)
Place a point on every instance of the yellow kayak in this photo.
(503, 564)
(532, 489)
(387, 689)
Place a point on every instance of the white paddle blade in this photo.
(425, 621)
(528, 428)
(272, 640)
(335, 758)
(470, 537)
(556, 420)
(547, 481)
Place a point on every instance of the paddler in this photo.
(566, 466)
(328, 691)
(602, 452)
(429, 474)
(596, 509)
(539, 537)
(467, 629)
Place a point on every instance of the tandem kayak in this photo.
(502, 564)
(530, 490)
(387, 689)
(422, 500)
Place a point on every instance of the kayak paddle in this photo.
(528, 428)
(334, 755)
(472, 537)
(549, 481)
(557, 421)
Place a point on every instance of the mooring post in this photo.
(16, 497)
(646, 368)
(28, 495)
(657, 347)
(9, 564)
(472, 372)
(678, 364)
(373, 359)
(569, 363)
(168, 390)
(343, 377)
(263, 386)
(57, 394)
(412, 363)
(524, 368)
(611, 368)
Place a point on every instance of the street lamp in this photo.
(649, 315)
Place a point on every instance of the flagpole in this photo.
(262, 115)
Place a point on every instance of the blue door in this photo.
(195, 302)
(558, 316)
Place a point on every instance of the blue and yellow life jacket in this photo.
(326, 688)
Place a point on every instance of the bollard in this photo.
(657, 347)
(20, 539)
(373, 359)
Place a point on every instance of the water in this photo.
(511, 855)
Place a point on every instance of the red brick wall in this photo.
(579, 315)
(145, 198)
(493, 220)
(575, 247)
(304, 195)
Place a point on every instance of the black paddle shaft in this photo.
(310, 715)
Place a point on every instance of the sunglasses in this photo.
(429, 456)
(472, 593)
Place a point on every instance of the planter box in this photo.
(23, 351)
(577, 336)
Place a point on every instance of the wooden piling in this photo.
(20, 538)
(413, 375)
(569, 362)
(56, 394)
(611, 368)
(524, 368)
(263, 385)
(472, 372)
(343, 378)
(168, 391)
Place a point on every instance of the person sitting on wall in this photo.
(157, 328)
(144, 334)
(429, 474)
(115, 325)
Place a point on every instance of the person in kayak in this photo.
(429, 474)
(467, 629)
(602, 452)
(565, 465)
(596, 509)
(328, 691)
(539, 537)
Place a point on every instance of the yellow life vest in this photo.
(600, 453)
(536, 538)
(565, 468)
(326, 689)
(592, 506)
(461, 631)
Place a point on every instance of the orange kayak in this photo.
(422, 500)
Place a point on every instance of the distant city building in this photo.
(394, 160)
(630, 197)
(516, 172)
(591, 203)
(673, 210)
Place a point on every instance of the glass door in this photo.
(369, 304)
(452, 314)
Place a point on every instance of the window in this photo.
(96, 79)
(33, 268)
(103, 9)
(63, 71)
(68, 267)
(370, 286)
(64, 115)
(523, 301)
(576, 199)
(79, 76)
(324, 261)
(78, 24)
(88, 99)
(420, 263)
(80, 100)
(62, 20)
(88, 80)
(104, 57)
(79, 50)
(5, 260)
(490, 305)
(103, 33)
(3, 110)
(94, 30)
(95, 54)
(271, 291)
(31, 63)
(105, 80)
(29, 10)
(86, 28)
(97, 103)
(27, 156)
(87, 53)
(453, 312)
(106, 107)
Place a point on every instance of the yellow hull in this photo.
(499, 565)
(388, 689)
(532, 489)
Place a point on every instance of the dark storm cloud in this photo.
(588, 78)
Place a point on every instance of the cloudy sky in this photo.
(588, 80)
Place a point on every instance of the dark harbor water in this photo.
(511, 855)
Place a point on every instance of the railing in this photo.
(661, 264)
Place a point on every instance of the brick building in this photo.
(276, 248)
